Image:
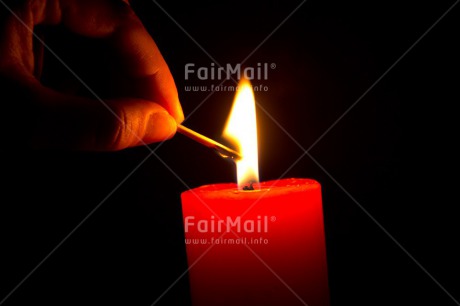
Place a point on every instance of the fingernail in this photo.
(161, 126)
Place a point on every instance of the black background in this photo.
(394, 153)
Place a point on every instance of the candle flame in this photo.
(241, 129)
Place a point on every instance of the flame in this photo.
(241, 129)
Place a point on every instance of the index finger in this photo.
(139, 57)
(142, 61)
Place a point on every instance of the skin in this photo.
(146, 109)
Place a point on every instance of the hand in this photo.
(142, 107)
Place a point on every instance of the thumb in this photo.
(132, 122)
(61, 121)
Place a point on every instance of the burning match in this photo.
(223, 151)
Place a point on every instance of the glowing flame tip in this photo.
(241, 129)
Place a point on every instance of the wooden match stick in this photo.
(208, 142)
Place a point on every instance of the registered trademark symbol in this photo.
(272, 65)
(272, 218)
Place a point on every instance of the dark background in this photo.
(394, 153)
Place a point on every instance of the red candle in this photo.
(255, 247)
(261, 247)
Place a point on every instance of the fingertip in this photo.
(160, 126)
(178, 113)
(165, 93)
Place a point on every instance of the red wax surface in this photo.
(262, 247)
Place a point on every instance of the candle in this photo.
(255, 243)
(261, 247)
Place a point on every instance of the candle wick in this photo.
(250, 187)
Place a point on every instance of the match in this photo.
(223, 151)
